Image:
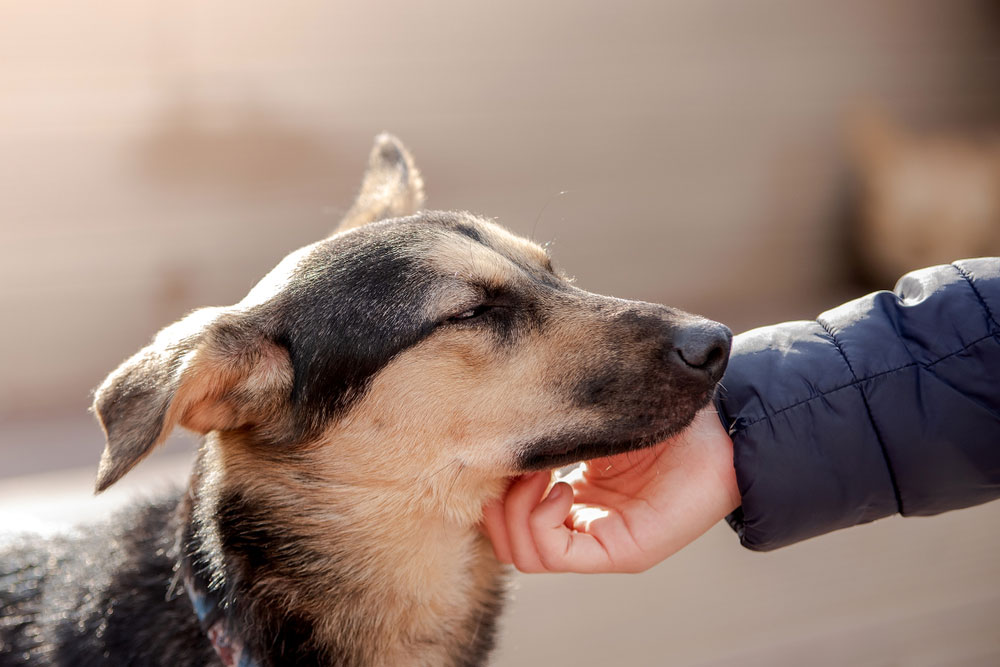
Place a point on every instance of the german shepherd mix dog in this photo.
(359, 406)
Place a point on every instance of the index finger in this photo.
(559, 548)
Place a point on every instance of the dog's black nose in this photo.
(704, 347)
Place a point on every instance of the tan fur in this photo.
(220, 391)
(212, 387)
(171, 349)
(415, 573)
(465, 258)
(392, 186)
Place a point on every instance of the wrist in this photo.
(724, 468)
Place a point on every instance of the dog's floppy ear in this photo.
(210, 371)
(392, 186)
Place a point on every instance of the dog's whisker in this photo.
(534, 225)
(447, 465)
(454, 482)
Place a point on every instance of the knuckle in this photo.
(638, 568)
(524, 565)
(550, 561)
(633, 565)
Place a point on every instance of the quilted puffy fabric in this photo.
(888, 403)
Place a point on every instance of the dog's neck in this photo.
(345, 573)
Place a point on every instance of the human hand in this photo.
(622, 513)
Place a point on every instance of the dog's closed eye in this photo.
(471, 313)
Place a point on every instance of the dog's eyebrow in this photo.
(528, 250)
(491, 240)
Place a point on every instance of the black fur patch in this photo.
(255, 546)
(103, 598)
(354, 304)
(482, 629)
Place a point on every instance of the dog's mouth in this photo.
(552, 453)
(616, 436)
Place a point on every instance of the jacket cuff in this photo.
(799, 473)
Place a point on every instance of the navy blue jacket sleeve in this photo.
(889, 403)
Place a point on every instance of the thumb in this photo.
(551, 513)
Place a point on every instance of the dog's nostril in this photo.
(704, 347)
(699, 357)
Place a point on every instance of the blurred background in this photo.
(751, 161)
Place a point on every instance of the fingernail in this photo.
(556, 492)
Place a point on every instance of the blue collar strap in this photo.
(228, 645)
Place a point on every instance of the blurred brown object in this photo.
(925, 198)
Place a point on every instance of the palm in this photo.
(628, 511)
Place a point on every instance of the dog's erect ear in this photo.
(392, 186)
(210, 371)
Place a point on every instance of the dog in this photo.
(359, 407)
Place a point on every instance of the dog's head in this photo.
(410, 347)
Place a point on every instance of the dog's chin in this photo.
(556, 452)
